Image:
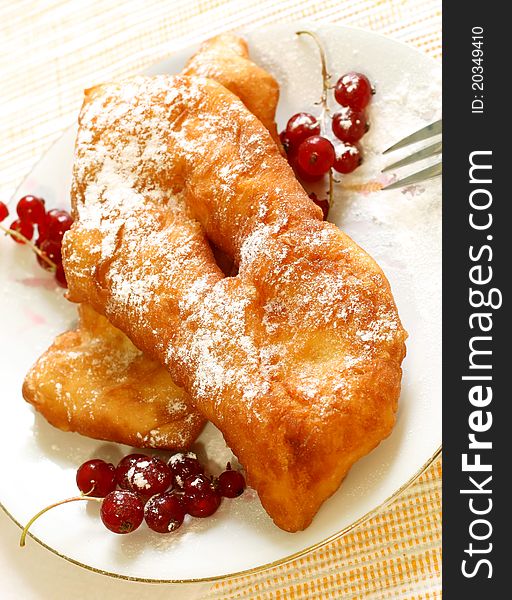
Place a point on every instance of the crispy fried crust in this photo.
(94, 381)
(112, 403)
(297, 358)
(225, 58)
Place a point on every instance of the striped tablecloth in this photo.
(50, 50)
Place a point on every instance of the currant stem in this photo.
(326, 77)
(30, 244)
(41, 512)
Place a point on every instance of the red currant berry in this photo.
(164, 512)
(284, 141)
(148, 476)
(315, 156)
(305, 176)
(122, 511)
(53, 250)
(60, 276)
(124, 466)
(292, 158)
(290, 149)
(42, 231)
(300, 127)
(198, 484)
(96, 478)
(348, 158)
(184, 465)
(231, 483)
(31, 209)
(202, 505)
(24, 227)
(4, 211)
(354, 90)
(323, 204)
(349, 125)
(58, 221)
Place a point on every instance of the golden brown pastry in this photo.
(94, 381)
(87, 405)
(225, 58)
(297, 358)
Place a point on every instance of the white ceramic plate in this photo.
(401, 229)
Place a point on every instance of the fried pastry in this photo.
(93, 380)
(91, 354)
(225, 58)
(297, 359)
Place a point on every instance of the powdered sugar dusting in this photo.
(308, 313)
(116, 198)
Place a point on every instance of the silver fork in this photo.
(434, 170)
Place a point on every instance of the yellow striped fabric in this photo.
(50, 50)
(395, 555)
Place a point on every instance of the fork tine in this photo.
(427, 173)
(421, 134)
(420, 155)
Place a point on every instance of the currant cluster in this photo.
(353, 92)
(51, 226)
(311, 154)
(145, 488)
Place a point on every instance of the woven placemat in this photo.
(396, 554)
(49, 52)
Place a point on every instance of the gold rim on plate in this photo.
(254, 570)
